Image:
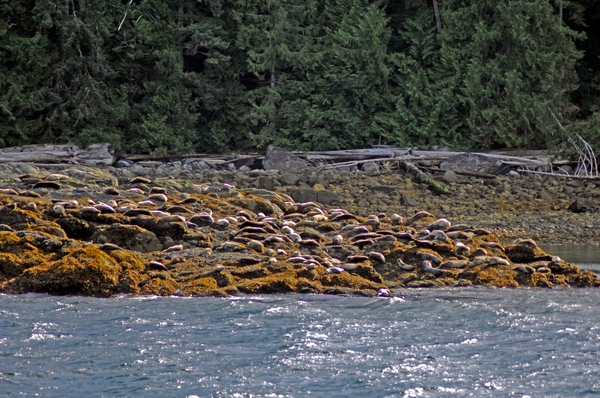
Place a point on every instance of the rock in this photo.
(386, 189)
(129, 237)
(289, 179)
(328, 198)
(584, 205)
(11, 171)
(370, 167)
(87, 271)
(304, 195)
(565, 169)
(277, 158)
(450, 176)
(91, 175)
(407, 200)
(474, 162)
(200, 166)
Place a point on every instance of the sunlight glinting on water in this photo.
(462, 342)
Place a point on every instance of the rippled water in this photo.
(461, 342)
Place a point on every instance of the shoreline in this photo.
(107, 231)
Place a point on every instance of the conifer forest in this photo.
(174, 76)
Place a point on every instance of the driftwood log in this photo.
(381, 157)
(94, 155)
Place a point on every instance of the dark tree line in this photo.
(165, 76)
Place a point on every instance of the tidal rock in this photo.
(130, 237)
(277, 158)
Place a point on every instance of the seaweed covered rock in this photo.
(216, 240)
(85, 271)
(129, 237)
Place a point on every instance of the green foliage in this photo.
(514, 62)
(208, 75)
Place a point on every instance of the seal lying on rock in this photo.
(261, 242)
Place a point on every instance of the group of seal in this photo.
(226, 241)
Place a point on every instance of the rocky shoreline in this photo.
(167, 229)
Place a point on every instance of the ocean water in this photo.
(471, 342)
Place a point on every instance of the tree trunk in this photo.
(438, 21)
(560, 11)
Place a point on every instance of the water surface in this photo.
(441, 342)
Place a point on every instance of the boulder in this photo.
(474, 162)
(268, 183)
(10, 171)
(583, 205)
(289, 179)
(129, 237)
(277, 158)
(370, 167)
(328, 198)
(87, 271)
(94, 175)
(304, 195)
(450, 176)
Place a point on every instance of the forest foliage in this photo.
(171, 76)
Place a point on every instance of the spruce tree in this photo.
(25, 56)
(510, 65)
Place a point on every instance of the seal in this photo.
(157, 266)
(426, 265)
(441, 224)
(462, 249)
(432, 258)
(108, 247)
(380, 258)
(174, 248)
(403, 266)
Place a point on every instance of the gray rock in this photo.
(10, 171)
(370, 167)
(450, 176)
(288, 179)
(268, 183)
(277, 158)
(474, 162)
(582, 205)
(406, 200)
(315, 178)
(328, 198)
(200, 165)
(565, 169)
(387, 189)
(304, 195)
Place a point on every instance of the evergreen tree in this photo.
(422, 111)
(54, 82)
(24, 58)
(585, 15)
(351, 106)
(278, 39)
(513, 63)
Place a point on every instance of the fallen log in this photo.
(424, 178)
(464, 173)
(94, 155)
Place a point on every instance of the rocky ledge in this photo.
(85, 232)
